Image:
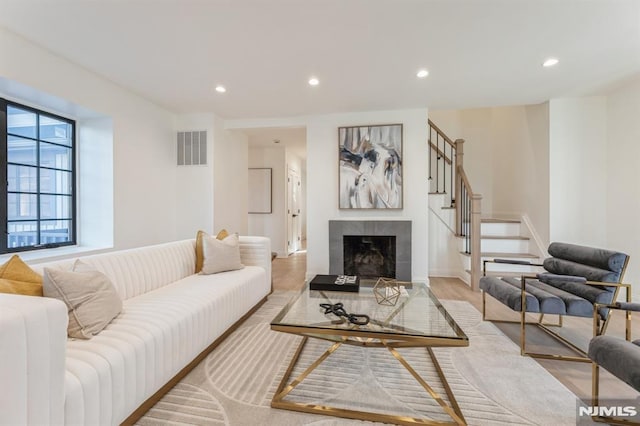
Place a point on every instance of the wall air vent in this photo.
(192, 148)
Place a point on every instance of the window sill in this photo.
(58, 253)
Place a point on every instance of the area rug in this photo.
(492, 383)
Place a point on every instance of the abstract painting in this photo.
(371, 167)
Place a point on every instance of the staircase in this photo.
(503, 239)
(499, 239)
(457, 208)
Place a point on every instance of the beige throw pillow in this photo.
(199, 253)
(89, 295)
(220, 256)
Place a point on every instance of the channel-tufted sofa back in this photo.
(140, 270)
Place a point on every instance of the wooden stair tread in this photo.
(494, 220)
(504, 237)
(503, 273)
(508, 255)
(438, 193)
(505, 255)
(500, 237)
(448, 208)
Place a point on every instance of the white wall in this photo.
(143, 137)
(231, 179)
(272, 225)
(445, 259)
(520, 137)
(578, 171)
(95, 183)
(322, 183)
(623, 177)
(194, 184)
(144, 173)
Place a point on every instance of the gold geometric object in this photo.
(387, 291)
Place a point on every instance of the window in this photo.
(37, 151)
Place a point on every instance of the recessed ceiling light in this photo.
(550, 62)
(314, 81)
(220, 89)
(422, 73)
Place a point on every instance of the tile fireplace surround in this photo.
(401, 229)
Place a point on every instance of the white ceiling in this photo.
(293, 139)
(365, 52)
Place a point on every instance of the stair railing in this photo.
(468, 217)
(450, 178)
(442, 166)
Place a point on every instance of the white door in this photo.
(294, 233)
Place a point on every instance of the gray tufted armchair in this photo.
(575, 280)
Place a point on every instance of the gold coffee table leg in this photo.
(284, 389)
(454, 411)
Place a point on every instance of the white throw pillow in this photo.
(90, 297)
(220, 256)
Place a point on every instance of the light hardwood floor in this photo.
(289, 274)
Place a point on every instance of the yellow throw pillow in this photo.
(222, 235)
(16, 277)
(200, 251)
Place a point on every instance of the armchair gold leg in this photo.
(523, 334)
(595, 400)
(616, 292)
(595, 383)
(558, 324)
(523, 349)
(523, 321)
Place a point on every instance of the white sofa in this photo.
(170, 318)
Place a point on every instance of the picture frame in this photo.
(370, 167)
(260, 191)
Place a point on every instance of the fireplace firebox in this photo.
(369, 256)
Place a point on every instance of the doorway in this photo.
(294, 218)
(283, 150)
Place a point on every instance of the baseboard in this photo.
(465, 278)
(151, 401)
(449, 273)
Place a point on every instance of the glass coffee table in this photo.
(416, 320)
